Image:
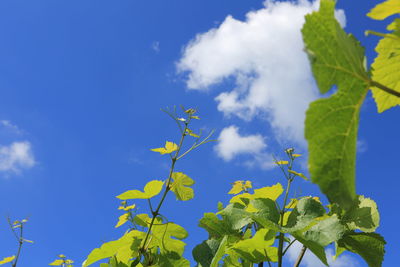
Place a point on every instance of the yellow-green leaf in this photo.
(7, 260)
(296, 155)
(151, 189)
(127, 208)
(122, 219)
(386, 68)
(385, 9)
(57, 263)
(240, 186)
(168, 149)
(298, 174)
(271, 192)
(180, 186)
(282, 162)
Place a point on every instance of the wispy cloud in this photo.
(264, 56)
(7, 125)
(16, 157)
(310, 260)
(232, 143)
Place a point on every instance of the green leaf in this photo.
(180, 186)
(168, 149)
(216, 227)
(220, 252)
(306, 210)
(258, 248)
(386, 69)
(111, 248)
(325, 231)
(7, 260)
(234, 217)
(168, 238)
(239, 186)
(370, 246)
(204, 252)
(332, 123)
(363, 215)
(385, 9)
(151, 189)
(171, 260)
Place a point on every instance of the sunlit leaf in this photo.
(180, 186)
(111, 248)
(385, 9)
(204, 252)
(258, 248)
(168, 149)
(282, 162)
(331, 125)
(151, 189)
(240, 186)
(220, 252)
(386, 68)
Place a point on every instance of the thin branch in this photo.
(301, 255)
(288, 246)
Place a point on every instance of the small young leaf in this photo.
(7, 260)
(282, 162)
(57, 263)
(168, 149)
(127, 208)
(298, 174)
(240, 186)
(151, 189)
(122, 219)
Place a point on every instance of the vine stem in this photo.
(289, 178)
(301, 255)
(167, 188)
(20, 242)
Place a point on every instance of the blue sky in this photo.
(82, 84)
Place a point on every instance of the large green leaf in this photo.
(363, 215)
(325, 231)
(386, 68)
(332, 123)
(306, 210)
(180, 186)
(204, 253)
(220, 252)
(258, 248)
(370, 246)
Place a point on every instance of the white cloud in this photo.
(310, 260)
(16, 156)
(264, 56)
(232, 144)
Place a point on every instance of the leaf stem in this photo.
(385, 88)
